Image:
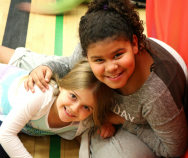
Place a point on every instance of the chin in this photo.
(115, 86)
(64, 119)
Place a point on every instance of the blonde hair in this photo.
(82, 77)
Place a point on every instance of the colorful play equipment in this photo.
(168, 21)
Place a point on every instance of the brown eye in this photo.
(117, 55)
(99, 60)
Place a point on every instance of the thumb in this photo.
(48, 75)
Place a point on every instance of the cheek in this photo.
(58, 101)
(97, 69)
(84, 115)
(129, 63)
(63, 100)
(59, 104)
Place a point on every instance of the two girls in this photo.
(148, 77)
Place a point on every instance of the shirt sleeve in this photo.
(25, 106)
(63, 65)
(166, 131)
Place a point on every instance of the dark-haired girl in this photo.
(149, 79)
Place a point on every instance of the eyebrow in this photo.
(79, 97)
(93, 57)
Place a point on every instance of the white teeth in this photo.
(68, 112)
(114, 76)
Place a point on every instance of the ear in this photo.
(135, 44)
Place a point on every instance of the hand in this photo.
(107, 130)
(40, 76)
(24, 6)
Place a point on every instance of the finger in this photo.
(43, 85)
(39, 83)
(48, 75)
(103, 131)
(112, 132)
(30, 84)
(25, 84)
(107, 133)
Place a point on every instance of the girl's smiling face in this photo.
(113, 62)
(75, 105)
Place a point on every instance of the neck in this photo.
(143, 61)
(53, 118)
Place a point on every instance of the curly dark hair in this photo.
(111, 20)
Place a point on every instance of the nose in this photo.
(75, 108)
(111, 66)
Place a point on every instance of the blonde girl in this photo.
(66, 108)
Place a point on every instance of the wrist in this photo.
(121, 120)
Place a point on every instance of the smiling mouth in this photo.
(68, 112)
(115, 76)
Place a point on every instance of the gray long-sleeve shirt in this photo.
(155, 112)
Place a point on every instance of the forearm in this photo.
(58, 66)
(9, 139)
(115, 119)
(63, 65)
(168, 139)
(168, 144)
(13, 146)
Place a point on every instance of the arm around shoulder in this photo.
(63, 65)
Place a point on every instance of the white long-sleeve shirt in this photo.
(28, 112)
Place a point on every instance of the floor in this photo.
(51, 35)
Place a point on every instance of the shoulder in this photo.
(169, 66)
(163, 49)
(33, 104)
(17, 94)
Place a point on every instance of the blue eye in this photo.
(73, 96)
(86, 108)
